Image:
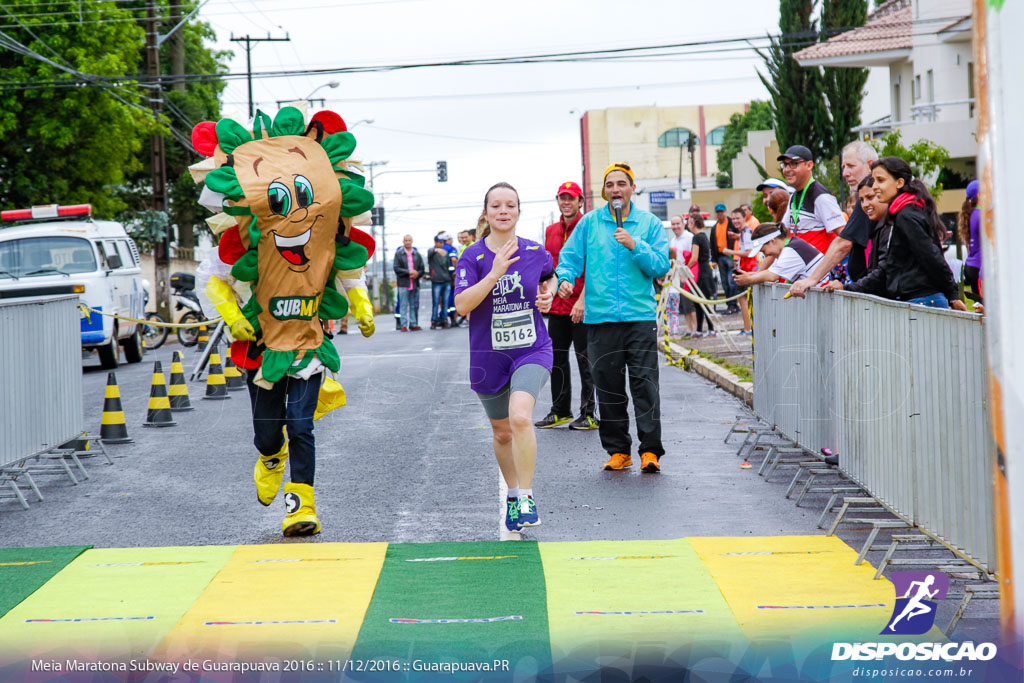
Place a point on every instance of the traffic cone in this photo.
(216, 387)
(178, 388)
(112, 426)
(159, 414)
(233, 376)
(203, 338)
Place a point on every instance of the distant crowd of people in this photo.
(591, 286)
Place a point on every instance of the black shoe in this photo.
(584, 422)
(552, 420)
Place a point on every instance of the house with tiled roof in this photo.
(927, 47)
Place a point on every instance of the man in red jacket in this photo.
(565, 325)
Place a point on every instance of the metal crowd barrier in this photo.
(899, 391)
(40, 375)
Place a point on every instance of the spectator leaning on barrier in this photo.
(873, 282)
(565, 325)
(852, 242)
(723, 241)
(914, 267)
(790, 261)
(408, 268)
(621, 266)
(814, 214)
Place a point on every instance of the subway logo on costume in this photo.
(294, 307)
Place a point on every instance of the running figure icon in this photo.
(915, 607)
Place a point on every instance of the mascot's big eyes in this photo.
(280, 198)
(303, 191)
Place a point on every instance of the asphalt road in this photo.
(408, 459)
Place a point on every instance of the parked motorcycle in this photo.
(155, 335)
(183, 285)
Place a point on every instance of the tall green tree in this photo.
(758, 117)
(797, 105)
(843, 87)
(187, 102)
(61, 143)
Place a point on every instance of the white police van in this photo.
(63, 251)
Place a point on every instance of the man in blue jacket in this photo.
(622, 263)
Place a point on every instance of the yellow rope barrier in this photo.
(152, 323)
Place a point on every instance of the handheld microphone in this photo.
(617, 208)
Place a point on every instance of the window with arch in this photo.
(716, 136)
(676, 137)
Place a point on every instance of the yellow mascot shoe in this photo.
(268, 473)
(300, 504)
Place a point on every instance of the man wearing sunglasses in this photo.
(814, 213)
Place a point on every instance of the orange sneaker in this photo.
(649, 462)
(618, 461)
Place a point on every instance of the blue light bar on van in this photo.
(47, 211)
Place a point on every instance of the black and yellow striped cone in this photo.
(177, 390)
(159, 414)
(233, 376)
(216, 386)
(202, 339)
(112, 426)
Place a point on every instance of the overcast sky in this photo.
(515, 123)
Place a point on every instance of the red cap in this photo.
(569, 188)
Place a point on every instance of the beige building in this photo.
(653, 141)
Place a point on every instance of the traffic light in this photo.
(691, 142)
(442, 171)
(377, 215)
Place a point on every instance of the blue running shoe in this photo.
(528, 512)
(512, 514)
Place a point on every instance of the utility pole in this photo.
(249, 40)
(691, 144)
(158, 166)
(382, 295)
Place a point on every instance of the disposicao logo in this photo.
(917, 594)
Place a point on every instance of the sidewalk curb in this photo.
(715, 373)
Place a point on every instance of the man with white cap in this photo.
(624, 249)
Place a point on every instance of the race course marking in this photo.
(779, 552)
(266, 623)
(451, 559)
(623, 557)
(144, 564)
(54, 621)
(877, 604)
(657, 611)
(483, 620)
(308, 559)
(22, 564)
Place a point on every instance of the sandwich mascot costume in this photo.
(286, 199)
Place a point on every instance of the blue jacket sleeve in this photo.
(651, 252)
(572, 257)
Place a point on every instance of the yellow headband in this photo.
(616, 167)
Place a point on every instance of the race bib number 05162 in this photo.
(513, 330)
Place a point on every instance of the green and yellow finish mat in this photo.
(540, 606)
